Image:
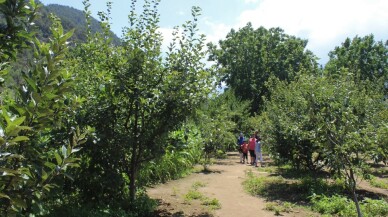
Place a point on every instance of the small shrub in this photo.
(221, 154)
(332, 205)
(193, 195)
(271, 206)
(374, 207)
(211, 203)
(311, 185)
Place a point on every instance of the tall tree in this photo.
(362, 56)
(326, 121)
(247, 58)
(135, 97)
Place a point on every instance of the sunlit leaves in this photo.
(27, 120)
(324, 121)
(248, 57)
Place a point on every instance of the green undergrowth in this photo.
(195, 194)
(142, 206)
(328, 197)
(342, 206)
(378, 183)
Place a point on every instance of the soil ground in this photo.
(223, 182)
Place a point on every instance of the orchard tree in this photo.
(362, 56)
(16, 17)
(38, 135)
(220, 119)
(136, 96)
(248, 57)
(333, 122)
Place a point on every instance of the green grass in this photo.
(260, 185)
(341, 206)
(212, 203)
(289, 188)
(197, 185)
(378, 183)
(278, 208)
(194, 194)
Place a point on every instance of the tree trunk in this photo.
(134, 156)
(353, 189)
(132, 178)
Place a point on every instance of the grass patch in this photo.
(175, 191)
(270, 169)
(378, 183)
(194, 194)
(212, 203)
(278, 208)
(341, 206)
(276, 187)
(260, 185)
(197, 185)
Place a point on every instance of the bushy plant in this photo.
(212, 203)
(259, 185)
(342, 206)
(69, 207)
(179, 157)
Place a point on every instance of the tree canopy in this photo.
(248, 57)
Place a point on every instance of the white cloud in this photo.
(325, 23)
(250, 1)
(217, 31)
(167, 37)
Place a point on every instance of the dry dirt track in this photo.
(223, 183)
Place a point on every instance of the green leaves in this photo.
(364, 57)
(324, 121)
(36, 133)
(248, 57)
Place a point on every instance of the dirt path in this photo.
(223, 183)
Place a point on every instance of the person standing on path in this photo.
(240, 142)
(245, 151)
(258, 152)
(251, 147)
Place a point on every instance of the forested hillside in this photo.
(71, 18)
(87, 125)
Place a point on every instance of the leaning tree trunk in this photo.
(352, 186)
(132, 177)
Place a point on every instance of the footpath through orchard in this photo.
(223, 182)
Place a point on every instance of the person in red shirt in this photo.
(244, 149)
(251, 147)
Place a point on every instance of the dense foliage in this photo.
(84, 132)
(134, 98)
(333, 121)
(248, 57)
(38, 135)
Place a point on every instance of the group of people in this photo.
(251, 145)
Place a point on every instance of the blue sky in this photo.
(324, 23)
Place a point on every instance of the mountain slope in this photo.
(71, 18)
